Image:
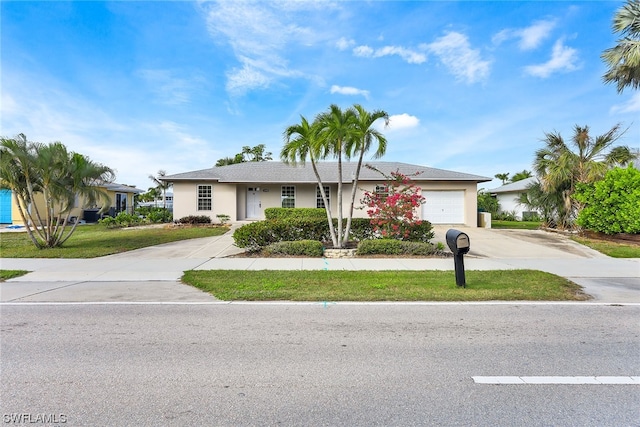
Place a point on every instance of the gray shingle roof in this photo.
(278, 172)
(518, 186)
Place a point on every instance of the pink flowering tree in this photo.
(393, 207)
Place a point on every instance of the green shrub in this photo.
(395, 247)
(611, 205)
(195, 219)
(505, 216)
(422, 232)
(310, 248)
(223, 218)
(159, 215)
(121, 220)
(294, 213)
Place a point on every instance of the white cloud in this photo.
(530, 37)
(455, 52)
(563, 58)
(348, 90)
(631, 106)
(168, 88)
(410, 56)
(403, 121)
(260, 35)
(344, 44)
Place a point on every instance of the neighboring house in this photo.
(160, 201)
(244, 190)
(508, 196)
(121, 197)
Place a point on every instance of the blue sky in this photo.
(470, 86)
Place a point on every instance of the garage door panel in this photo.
(443, 207)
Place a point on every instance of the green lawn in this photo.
(612, 249)
(519, 225)
(270, 285)
(90, 241)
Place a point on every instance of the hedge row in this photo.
(309, 248)
(260, 234)
(294, 213)
(395, 247)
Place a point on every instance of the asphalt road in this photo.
(317, 364)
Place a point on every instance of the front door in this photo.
(254, 206)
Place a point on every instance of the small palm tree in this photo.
(301, 141)
(560, 169)
(364, 135)
(336, 130)
(623, 59)
(29, 169)
(161, 185)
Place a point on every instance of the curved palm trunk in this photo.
(327, 208)
(340, 236)
(26, 220)
(353, 196)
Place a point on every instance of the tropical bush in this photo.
(487, 203)
(121, 220)
(611, 205)
(155, 215)
(505, 216)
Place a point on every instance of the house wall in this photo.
(185, 196)
(509, 203)
(231, 201)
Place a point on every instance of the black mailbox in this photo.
(457, 241)
(459, 244)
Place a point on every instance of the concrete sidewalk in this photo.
(153, 273)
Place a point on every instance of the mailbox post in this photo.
(458, 242)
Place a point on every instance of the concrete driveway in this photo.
(538, 244)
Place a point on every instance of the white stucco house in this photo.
(244, 190)
(508, 196)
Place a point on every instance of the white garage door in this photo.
(443, 207)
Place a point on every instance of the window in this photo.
(204, 198)
(319, 201)
(288, 196)
(382, 191)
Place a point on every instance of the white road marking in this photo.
(598, 380)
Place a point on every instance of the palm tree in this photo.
(519, 176)
(364, 134)
(161, 185)
(336, 130)
(623, 60)
(301, 141)
(28, 169)
(559, 169)
(504, 177)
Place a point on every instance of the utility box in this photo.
(459, 244)
(484, 219)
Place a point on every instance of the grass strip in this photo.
(90, 241)
(612, 249)
(515, 225)
(275, 285)
(10, 274)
